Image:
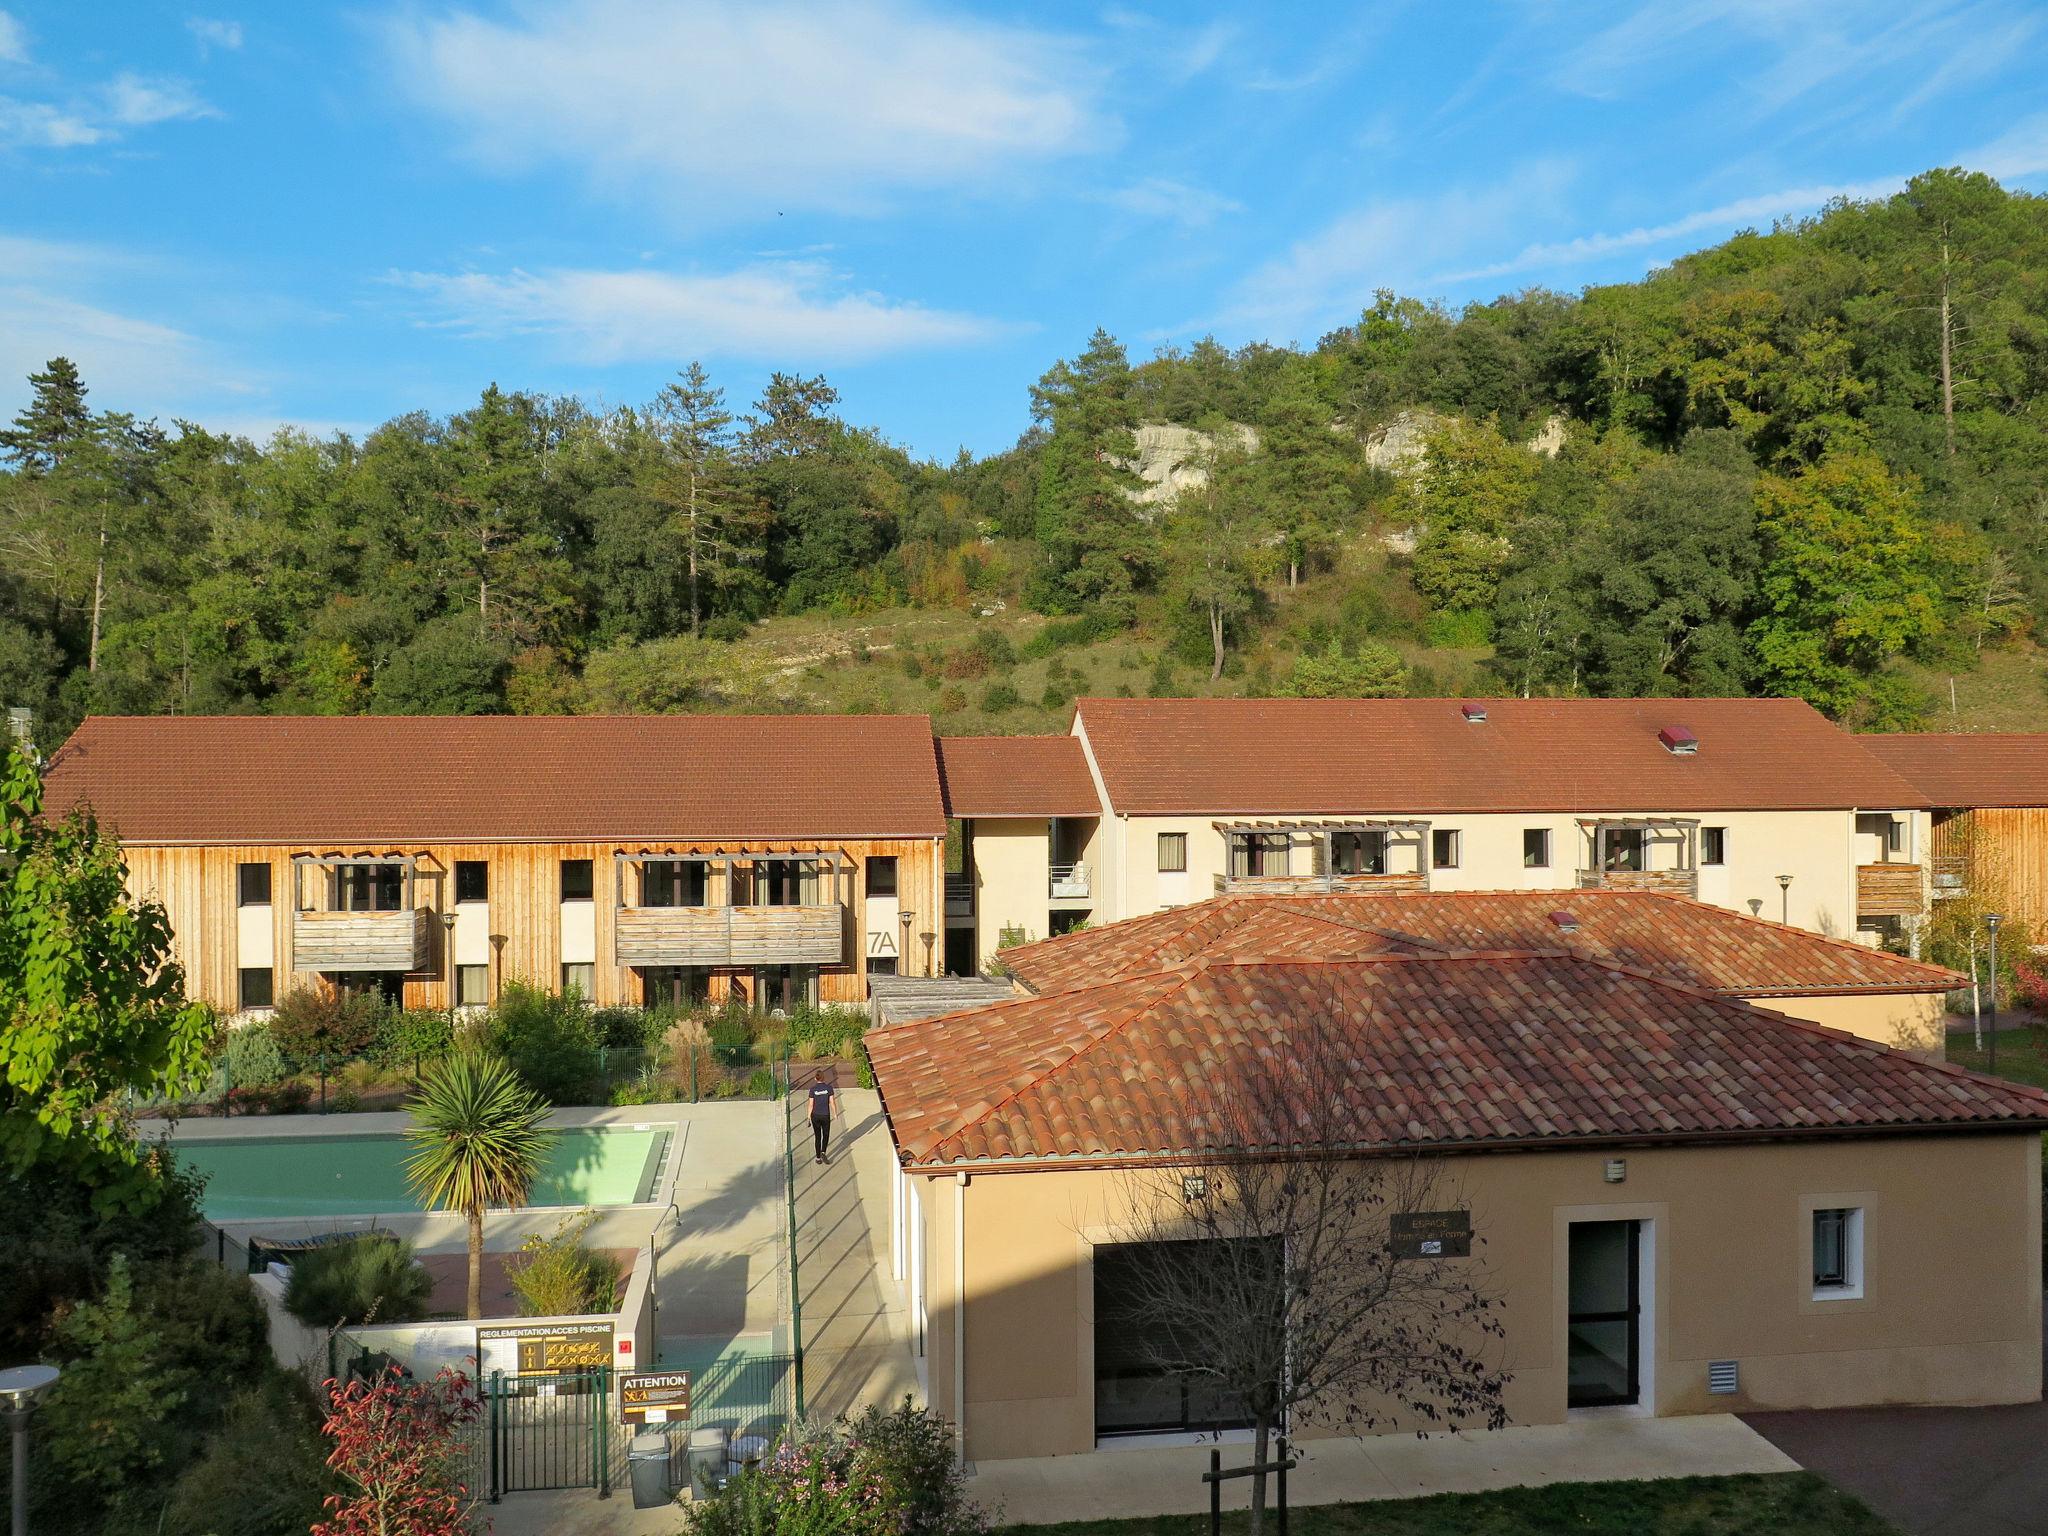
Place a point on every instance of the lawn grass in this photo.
(2019, 1057)
(1771, 1504)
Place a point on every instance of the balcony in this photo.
(960, 896)
(1321, 885)
(362, 941)
(726, 936)
(1672, 882)
(1951, 876)
(1889, 890)
(1069, 882)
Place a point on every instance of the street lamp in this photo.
(448, 971)
(1991, 1032)
(1784, 898)
(21, 1388)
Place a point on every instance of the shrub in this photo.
(400, 1451)
(374, 1278)
(558, 1276)
(262, 1471)
(548, 1038)
(313, 1022)
(411, 1034)
(250, 1058)
(828, 1031)
(1056, 696)
(998, 697)
(731, 1033)
(952, 701)
(1459, 628)
(1373, 671)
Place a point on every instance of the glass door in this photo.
(1603, 1326)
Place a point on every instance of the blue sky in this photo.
(324, 215)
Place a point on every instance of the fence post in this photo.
(1283, 1485)
(604, 1416)
(494, 1397)
(1215, 1493)
(693, 1073)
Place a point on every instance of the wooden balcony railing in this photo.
(1675, 882)
(362, 941)
(1320, 885)
(1889, 890)
(808, 935)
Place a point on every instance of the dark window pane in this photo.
(252, 885)
(577, 881)
(257, 985)
(472, 880)
(882, 877)
(1535, 848)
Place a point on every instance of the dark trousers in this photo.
(821, 1132)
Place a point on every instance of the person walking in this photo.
(824, 1096)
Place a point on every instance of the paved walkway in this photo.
(1126, 1483)
(718, 1274)
(856, 1348)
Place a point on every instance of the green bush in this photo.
(998, 697)
(250, 1058)
(832, 1030)
(731, 1031)
(1459, 628)
(558, 1276)
(374, 1278)
(262, 1471)
(413, 1034)
(312, 1022)
(548, 1038)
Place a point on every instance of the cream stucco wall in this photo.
(1950, 1310)
(1909, 1021)
(1012, 857)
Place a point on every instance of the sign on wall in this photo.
(533, 1348)
(652, 1397)
(1431, 1234)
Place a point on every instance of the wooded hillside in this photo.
(1811, 462)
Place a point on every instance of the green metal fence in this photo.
(752, 1398)
(552, 1429)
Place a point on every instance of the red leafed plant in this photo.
(398, 1449)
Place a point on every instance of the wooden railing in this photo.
(809, 935)
(1889, 890)
(1319, 885)
(1676, 882)
(362, 941)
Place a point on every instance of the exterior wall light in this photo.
(1616, 1171)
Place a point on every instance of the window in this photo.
(678, 985)
(1535, 847)
(579, 977)
(257, 984)
(1622, 849)
(781, 988)
(577, 882)
(1837, 1253)
(472, 880)
(1889, 831)
(368, 887)
(1173, 853)
(881, 965)
(882, 876)
(1257, 854)
(1358, 853)
(252, 885)
(472, 986)
(1713, 845)
(674, 883)
(1443, 849)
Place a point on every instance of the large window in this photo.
(252, 885)
(369, 887)
(1837, 1254)
(472, 880)
(258, 985)
(1358, 853)
(1142, 1385)
(784, 988)
(1173, 853)
(578, 883)
(674, 883)
(785, 882)
(1623, 850)
(579, 977)
(1254, 855)
(472, 986)
(679, 985)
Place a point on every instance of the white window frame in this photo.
(1851, 1289)
(1457, 846)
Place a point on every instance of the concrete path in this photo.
(720, 1256)
(856, 1348)
(1128, 1483)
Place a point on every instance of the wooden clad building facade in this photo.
(1990, 821)
(556, 853)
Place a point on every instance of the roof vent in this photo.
(1475, 714)
(1679, 740)
(1723, 1377)
(1566, 923)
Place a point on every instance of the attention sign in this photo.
(1431, 1234)
(533, 1348)
(650, 1397)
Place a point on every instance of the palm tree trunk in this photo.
(476, 1262)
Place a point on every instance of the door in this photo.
(1603, 1326)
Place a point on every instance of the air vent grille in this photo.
(1723, 1377)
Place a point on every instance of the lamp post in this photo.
(21, 1388)
(1784, 898)
(1991, 1028)
(448, 970)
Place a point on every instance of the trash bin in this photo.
(647, 1463)
(706, 1457)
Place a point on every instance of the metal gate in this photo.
(747, 1396)
(548, 1429)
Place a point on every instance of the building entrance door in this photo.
(1603, 1323)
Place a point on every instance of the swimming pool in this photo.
(261, 1177)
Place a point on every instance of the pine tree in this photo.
(54, 422)
(1089, 530)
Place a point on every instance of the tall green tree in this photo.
(1220, 545)
(690, 476)
(1092, 541)
(53, 423)
(1475, 485)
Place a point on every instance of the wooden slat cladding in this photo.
(198, 888)
(362, 941)
(1319, 885)
(810, 935)
(2003, 852)
(1889, 890)
(1679, 882)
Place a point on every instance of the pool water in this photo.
(260, 1177)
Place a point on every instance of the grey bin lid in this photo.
(709, 1438)
(648, 1443)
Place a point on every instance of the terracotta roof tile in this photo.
(298, 779)
(1454, 1051)
(1968, 770)
(1670, 936)
(1276, 757)
(1016, 776)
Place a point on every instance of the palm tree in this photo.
(476, 1130)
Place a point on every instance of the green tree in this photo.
(1372, 671)
(1304, 469)
(1475, 485)
(1092, 544)
(690, 476)
(478, 1141)
(53, 423)
(94, 1004)
(1219, 546)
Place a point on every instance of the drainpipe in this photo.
(960, 1317)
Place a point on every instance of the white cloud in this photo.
(135, 101)
(101, 116)
(215, 34)
(1160, 197)
(13, 40)
(773, 103)
(795, 312)
(128, 362)
(38, 125)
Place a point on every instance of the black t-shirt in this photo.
(821, 1101)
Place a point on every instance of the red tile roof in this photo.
(1336, 756)
(1670, 936)
(1968, 770)
(298, 779)
(1016, 776)
(1452, 1052)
